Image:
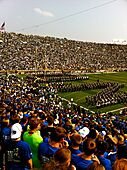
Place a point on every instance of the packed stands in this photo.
(31, 52)
(38, 131)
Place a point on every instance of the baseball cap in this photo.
(84, 132)
(16, 131)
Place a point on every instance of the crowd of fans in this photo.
(38, 132)
(36, 52)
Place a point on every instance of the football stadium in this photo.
(63, 101)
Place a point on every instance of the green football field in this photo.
(79, 96)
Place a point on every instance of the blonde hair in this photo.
(120, 164)
(59, 161)
(96, 166)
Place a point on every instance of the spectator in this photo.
(120, 164)
(85, 159)
(96, 166)
(76, 141)
(59, 54)
(47, 130)
(33, 138)
(61, 161)
(18, 153)
(47, 150)
(101, 149)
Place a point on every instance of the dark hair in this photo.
(68, 128)
(76, 139)
(122, 151)
(34, 122)
(92, 134)
(89, 146)
(50, 120)
(24, 119)
(57, 134)
(101, 147)
(15, 119)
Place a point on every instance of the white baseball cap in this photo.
(84, 132)
(16, 131)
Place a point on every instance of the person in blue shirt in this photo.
(111, 153)
(46, 130)
(18, 154)
(47, 150)
(101, 148)
(76, 140)
(6, 131)
(84, 160)
(61, 161)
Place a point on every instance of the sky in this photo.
(83, 20)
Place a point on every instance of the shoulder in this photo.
(44, 144)
(23, 144)
(25, 134)
(80, 162)
(105, 161)
(77, 158)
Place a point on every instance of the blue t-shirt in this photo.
(46, 152)
(111, 156)
(75, 151)
(80, 163)
(17, 155)
(105, 162)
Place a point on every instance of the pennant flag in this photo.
(2, 28)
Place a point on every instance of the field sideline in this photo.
(79, 96)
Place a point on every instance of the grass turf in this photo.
(79, 96)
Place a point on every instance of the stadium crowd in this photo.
(38, 132)
(36, 52)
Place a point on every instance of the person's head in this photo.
(96, 166)
(60, 161)
(15, 119)
(120, 165)
(76, 139)
(63, 156)
(84, 132)
(111, 139)
(50, 120)
(58, 134)
(16, 131)
(5, 122)
(68, 127)
(120, 140)
(34, 123)
(89, 147)
(101, 147)
(24, 119)
(122, 151)
(92, 134)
